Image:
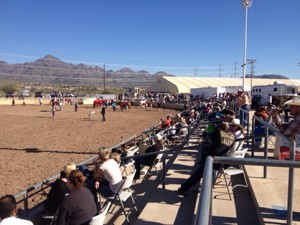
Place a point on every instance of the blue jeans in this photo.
(246, 114)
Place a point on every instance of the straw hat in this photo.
(158, 137)
(294, 101)
(236, 122)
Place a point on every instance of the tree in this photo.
(10, 87)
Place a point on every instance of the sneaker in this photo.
(181, 192)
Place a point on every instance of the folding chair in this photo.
(99, 219)
(232, 171)
(128, 163)
(157, 165)
(124, 193)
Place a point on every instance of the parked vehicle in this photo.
(24, 94)
(38, 94)
(276, 93)
(10, 95)
(207, 93)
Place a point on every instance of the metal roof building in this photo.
(179, 85)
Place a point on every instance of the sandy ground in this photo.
(34, 146)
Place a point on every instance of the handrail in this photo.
(291, 164)
(204, 203)
(203, 215)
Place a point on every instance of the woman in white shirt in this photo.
(107, 174)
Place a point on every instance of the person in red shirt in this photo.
(166, 123)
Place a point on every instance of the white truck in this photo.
(207, 92)
(24, 93)
(276, 93)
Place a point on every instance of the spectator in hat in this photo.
(148, 160)
(292, 128)
(237, 130)
(221, 140)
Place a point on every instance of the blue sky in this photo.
(183, 37)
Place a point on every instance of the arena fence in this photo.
(25, 198)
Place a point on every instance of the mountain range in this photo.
(52, 70)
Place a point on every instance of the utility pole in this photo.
(220, 70)
(251, 62)
(195, 72)
(235, 69)
(104, 77)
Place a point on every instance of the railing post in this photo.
(253, 140)
(266, 149)
(188, 136)
(26, 204)
(291, 184)
(203, 215)
(164, 173)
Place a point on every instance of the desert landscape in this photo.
(34, 146)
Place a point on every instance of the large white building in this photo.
(183, 85)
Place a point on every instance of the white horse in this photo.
(91, 115)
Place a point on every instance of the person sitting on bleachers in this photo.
(171, 131)
(78, 207)
(166, 123)
(237, 130)
(148, 160)
(8, 212)
(107, 175)
(58, 190)
(221, 140)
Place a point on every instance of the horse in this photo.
(145, 103)
(97, 102)
(91, 115)
(125, 105)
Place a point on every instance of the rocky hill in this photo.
(51, 70)
(268, 76)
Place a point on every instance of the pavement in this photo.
(163, 206)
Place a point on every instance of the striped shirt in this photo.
(289, 129)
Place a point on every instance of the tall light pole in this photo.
(251, 62)
(246, 5)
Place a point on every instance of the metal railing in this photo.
(24, 196)
(203, 214)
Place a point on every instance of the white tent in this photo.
(183, 85)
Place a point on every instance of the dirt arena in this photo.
(34, 146)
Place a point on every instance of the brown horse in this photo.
(125, 105)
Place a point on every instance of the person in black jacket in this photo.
(103, 113)
(78, 207)
(148, 160)
(221, 140)
(58, 191)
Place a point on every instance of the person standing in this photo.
(103, 113)
(76, 106)
(40, 100)
(113, 104)
(53, 107)
(13, 102)
(8, 212)
(243, 102)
